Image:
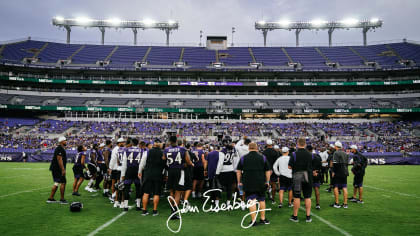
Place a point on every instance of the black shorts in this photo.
(78, 171)
(198, 173)
(116, 174)
(227, 178)
(102, 167)
(174, 176)
(188, 174)
(340, 182)
(259, 196)
(274, 178)
(358, 180)
(306, 190)
(132, 176)
(57, 177)
(285, 183)
(152, 186)
(92, 169)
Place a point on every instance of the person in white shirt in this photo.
(281, 169)
(242, 146)
(115, 169)
(324, 160)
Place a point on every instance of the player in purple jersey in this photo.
(199, 167)
(130, 170)
(176, 157)
(101, 167)
(106, 152)
(226, 167)
(92, 166)
(78, 167)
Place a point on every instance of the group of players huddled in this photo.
(189, 169)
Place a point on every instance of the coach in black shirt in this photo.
(301, 164)
(58, 170)
(272, 156)
(150, 171)
(254, 171)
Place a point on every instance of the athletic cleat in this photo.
(264, 222)
(121, 206)
(138, 209)
(155, 213)
(116, 204)
(308, 219)
(144, 213)
(199, 195)
(345, 206)
(280, 205)
(273, 202)
(352, 199)
(63, 201)
(335, 205)
(290, 205)
(360, 202)
(126, 209)
(318, 207)
(51, 200)
(294, 219)
(253, 224)
(75, 194)
(174, 217)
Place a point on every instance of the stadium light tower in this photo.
(330, 26)
(102, 25)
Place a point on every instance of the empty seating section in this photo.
(238, 56)
(386, 55)
(307, 56)
(18, 51)
(407, 51)
(343, 55)
(92, 53)
(57, 51)
(164, 55)
(270, 56)
(127, 55)
(197, 56)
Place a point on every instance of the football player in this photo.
(78, 167)
(101, 167)
(226, 167)
(115, 169)
(129, 172)
(107, 157)
(200, 165)
(176, 157)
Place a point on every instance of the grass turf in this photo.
(392, 207)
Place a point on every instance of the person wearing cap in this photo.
(271, 156)
(114, 170)
(253, 173)
(301, 164)
(281, 169)
(340, 172)
(58, 170)
(277, 148)
(359, 166)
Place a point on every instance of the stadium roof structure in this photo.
(135, 25)
(298, 26)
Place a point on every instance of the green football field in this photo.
(392, 207)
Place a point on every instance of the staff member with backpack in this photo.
(359, 166)
(301, 164)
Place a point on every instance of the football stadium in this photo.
(229, 135)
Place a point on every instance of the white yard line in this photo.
(108, 223)
(26, 191)
(390, 191)
(342, 231)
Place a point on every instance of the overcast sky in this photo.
(23, 18)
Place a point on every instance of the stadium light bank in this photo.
(319, 24)
(116, 23)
